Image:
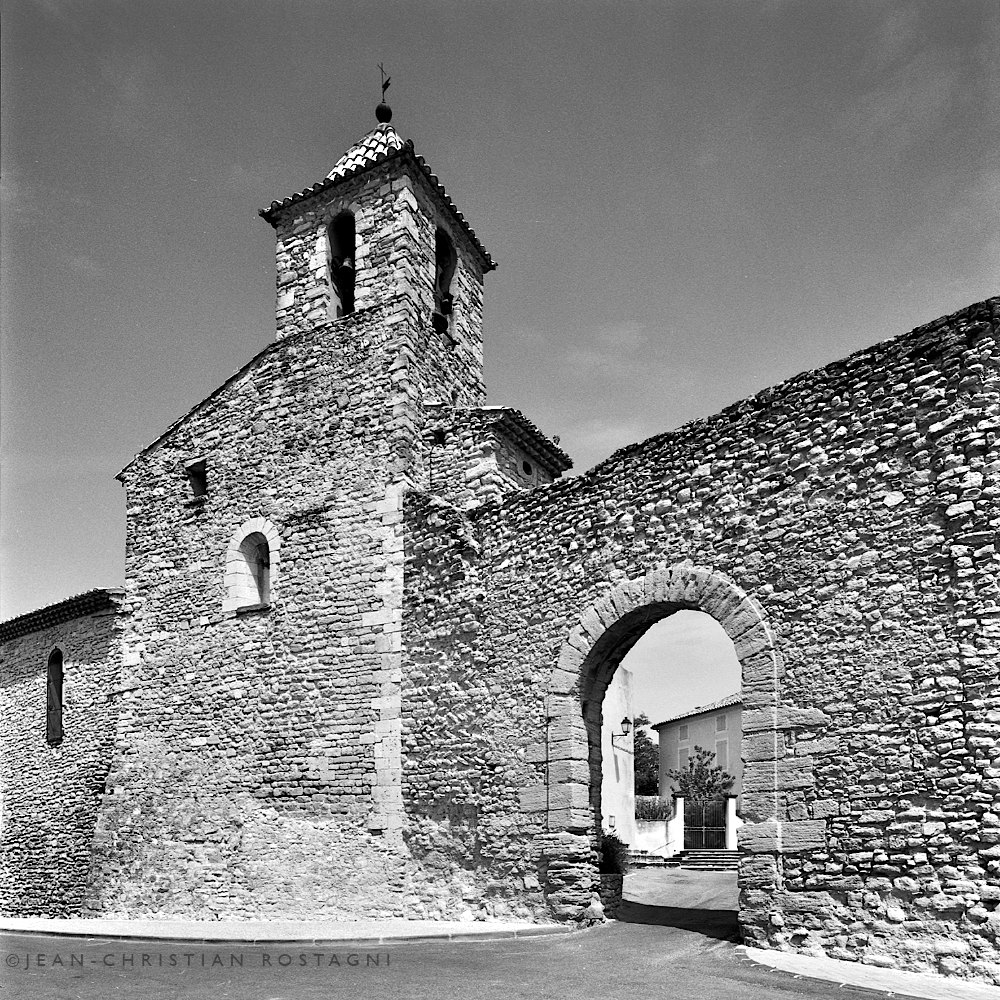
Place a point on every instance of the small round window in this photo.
(526, 467)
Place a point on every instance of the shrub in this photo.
(614, 855)
(653, 807)
(702, 778)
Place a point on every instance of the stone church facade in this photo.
(358, 663)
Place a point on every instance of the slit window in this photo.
(445, 261)
(54, 697)
(341, 237)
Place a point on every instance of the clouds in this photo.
(916, 79)
(907, 103)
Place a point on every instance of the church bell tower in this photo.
(378, 242)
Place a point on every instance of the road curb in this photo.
(893, 982)
(422, 936)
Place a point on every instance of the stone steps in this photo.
(712, 861)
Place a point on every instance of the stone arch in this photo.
(241, 589)
(589, 655)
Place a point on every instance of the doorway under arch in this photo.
(589, 656)
(677, 694)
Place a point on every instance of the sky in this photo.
(688, 202)
(682, 662)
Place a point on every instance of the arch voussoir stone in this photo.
(566, 850)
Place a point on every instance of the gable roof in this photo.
(62, 611)
(732, 699)
(380, 145)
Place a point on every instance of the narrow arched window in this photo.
(251, 566)
(445, 260)
(341, 238)
(54, 697)
(256, 556)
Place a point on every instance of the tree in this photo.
(701, 778)
(647, 759)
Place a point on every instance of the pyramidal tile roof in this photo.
(378, 144)
(381, 143)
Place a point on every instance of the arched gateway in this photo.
(587, 661)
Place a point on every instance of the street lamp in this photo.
(626, 729)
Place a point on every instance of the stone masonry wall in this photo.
(257, 762)
(396, 215)
(50, 792)
(856, 508)
(471, 458)
(257, 756)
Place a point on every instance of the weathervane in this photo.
(383, 112)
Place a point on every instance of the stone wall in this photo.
(842, 527)
(408, 722)
(50, 791)
(257, 752)
(479, 454)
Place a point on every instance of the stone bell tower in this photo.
(379, 235)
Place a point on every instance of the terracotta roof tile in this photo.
(377, 145)
(381, 144)
(733, 699)
(62, 611)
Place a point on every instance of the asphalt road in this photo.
(682, 950)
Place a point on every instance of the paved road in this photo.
(682, 950)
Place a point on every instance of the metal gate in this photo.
(705, 825)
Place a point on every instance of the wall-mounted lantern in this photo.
(626, 729)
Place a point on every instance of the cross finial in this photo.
(386, 80)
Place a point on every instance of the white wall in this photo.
(618, 784)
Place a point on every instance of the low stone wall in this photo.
(653, 837)
(611, 894)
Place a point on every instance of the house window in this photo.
(197, 473)
(682, 757)
(722, 754)
(445, 261)
(251, 563)
(682, 734)
(341, 239)
(54, 697)
(720, 723)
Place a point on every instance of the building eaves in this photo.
(404, 152)
(525, 433)
(80, 605)
(732, 699)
